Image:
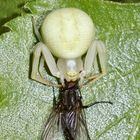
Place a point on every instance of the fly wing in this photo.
(53, 130)
(77, 122)
(82, 130)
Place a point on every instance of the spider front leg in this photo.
(97, 49)
(42, 49)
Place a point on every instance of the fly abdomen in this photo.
(67, 134)
(69, 124)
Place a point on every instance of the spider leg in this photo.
(40, 48)
(36, 31)
(97, 48)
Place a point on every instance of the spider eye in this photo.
(72, 73)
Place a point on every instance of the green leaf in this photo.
(125, 1)
(26, 104)
(10, 10)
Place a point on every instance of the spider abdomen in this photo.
(68, 32)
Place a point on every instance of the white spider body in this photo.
(68, 34)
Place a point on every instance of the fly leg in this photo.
(89, 105)
(54, 99)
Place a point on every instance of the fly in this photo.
(68, 115)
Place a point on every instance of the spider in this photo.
(68, 34)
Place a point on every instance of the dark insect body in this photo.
(68, 116)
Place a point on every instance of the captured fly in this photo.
(68, 116)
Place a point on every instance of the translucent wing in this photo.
(76, 124)
(82, 130)
(53, 130)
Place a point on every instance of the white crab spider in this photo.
(68, 34)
